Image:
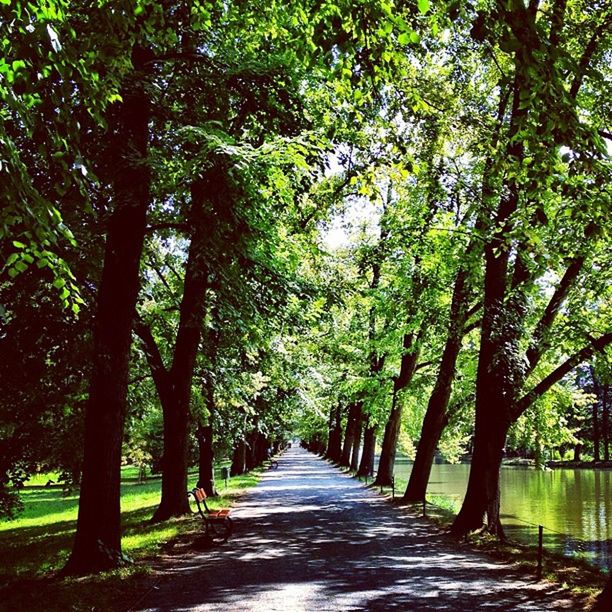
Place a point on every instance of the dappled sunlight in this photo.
(321, 541)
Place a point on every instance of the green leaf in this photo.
(423, 6)
(403, 38)
(59, 283)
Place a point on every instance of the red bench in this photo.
(217, 522)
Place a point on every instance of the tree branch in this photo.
(557, 374)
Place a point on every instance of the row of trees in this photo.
(165, 196)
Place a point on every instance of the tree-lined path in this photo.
(310, 538)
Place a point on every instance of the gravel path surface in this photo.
(308, 537)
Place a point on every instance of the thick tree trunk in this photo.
(435, 421)
(386, 463)
(437, 416)
(238, 458)
(604, 600)
(333, 450)
(349, 436)
(334, 447)
(97, 543)
(357, 439)
(206, 471)
(251, 450)
(174, 500)
(366, 466)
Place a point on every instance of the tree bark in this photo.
(437, 416)
(334, 448)
(434, 423)
(206, 472)
(386, 464)
(366, 466)
(605, 422)
(175, 394)
(349, 436)
(97, 543)
(604, 600)
(238, 458)
(357, 438)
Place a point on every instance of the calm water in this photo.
(574, 506)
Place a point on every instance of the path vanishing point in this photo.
(309, 537)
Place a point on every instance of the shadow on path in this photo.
(310, 538)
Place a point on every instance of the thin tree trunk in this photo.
(97, 543)
(357, 439)
(206, 473)
(605, 422)
(349, 436)
(386, 464)
(437, 415)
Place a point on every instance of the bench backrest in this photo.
(199, 494)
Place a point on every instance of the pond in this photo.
(574, 506)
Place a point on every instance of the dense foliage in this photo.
(375, 221)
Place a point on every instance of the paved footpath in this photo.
(308, 537)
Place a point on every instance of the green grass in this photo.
(38, 542)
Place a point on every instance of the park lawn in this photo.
(36, 545)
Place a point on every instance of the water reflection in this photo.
(574, 506)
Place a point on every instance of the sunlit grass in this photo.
(39, 540)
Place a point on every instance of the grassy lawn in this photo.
(37, 544)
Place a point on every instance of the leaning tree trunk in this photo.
(434, 423)
(97, 543)
(384, 476)
(366, 466)
(437, 416)
(176, 412)
(386, 463)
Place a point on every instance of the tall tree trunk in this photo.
(334, 447)
(357, 439)
(176, 413)
(238, 458)
(97, 543)
(206, 473)
(595, 415)
(386, 464)
(349, 436)
(605, 422)
(434, 423)
(437, 415)
(366, 466)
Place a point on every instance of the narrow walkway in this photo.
(310, 538)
